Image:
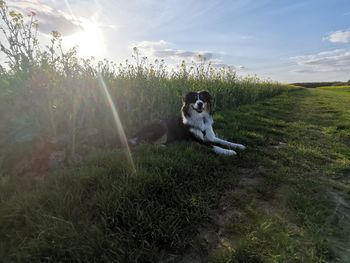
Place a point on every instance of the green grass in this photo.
(51, 98)
(284, 199)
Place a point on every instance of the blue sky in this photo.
(288, 41)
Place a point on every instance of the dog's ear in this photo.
(211, 105)
(184, 107)
(183, 97)
(188, 97)
(209, 99)
(205, 94)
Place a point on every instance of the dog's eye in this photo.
(191, 97)
(204, 96)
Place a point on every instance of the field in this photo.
(285, 199)
(56, 107)
(71, 192)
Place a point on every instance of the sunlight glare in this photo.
(118, 123)
(90, 41)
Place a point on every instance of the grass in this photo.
(285, 199)
(51, 100)
(48, 104)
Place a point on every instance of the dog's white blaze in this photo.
(197, 102)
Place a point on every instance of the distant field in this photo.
(284, 199)
(321, 84)
(341, 88)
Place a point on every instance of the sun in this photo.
(90, 41)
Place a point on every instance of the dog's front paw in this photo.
(230, 152)
(241, 146)
(237, 146)
(223, 151)
(226, 152)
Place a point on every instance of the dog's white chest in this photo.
(200, 122)
(201, 126)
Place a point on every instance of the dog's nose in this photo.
(200, 104)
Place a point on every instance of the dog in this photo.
(194, 124)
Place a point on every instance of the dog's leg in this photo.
(229, 144)
(198, 136)
(210, 136)
(223, 151)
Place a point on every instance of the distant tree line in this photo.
(321, 84)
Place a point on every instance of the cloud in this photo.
(49, 19)
(320, 70)
(328, 61)
(162, 49)
(26, 6)
(217, 63)
(65, 25)
(150, 44)
(340, 36)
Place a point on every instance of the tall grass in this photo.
(48, 94)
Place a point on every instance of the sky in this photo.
(286, 41)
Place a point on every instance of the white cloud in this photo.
(340, 36)
(329, 61)
(163, 49)
(320, 70)
(216, 63)
(49, 18)
(150, 45)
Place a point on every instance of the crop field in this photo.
(53, 101)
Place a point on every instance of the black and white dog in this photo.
(194, 124)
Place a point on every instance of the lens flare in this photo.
(117, 121)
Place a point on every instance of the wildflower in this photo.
(56, 34)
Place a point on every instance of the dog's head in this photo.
(197, 102)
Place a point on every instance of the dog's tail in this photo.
(149, 134)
